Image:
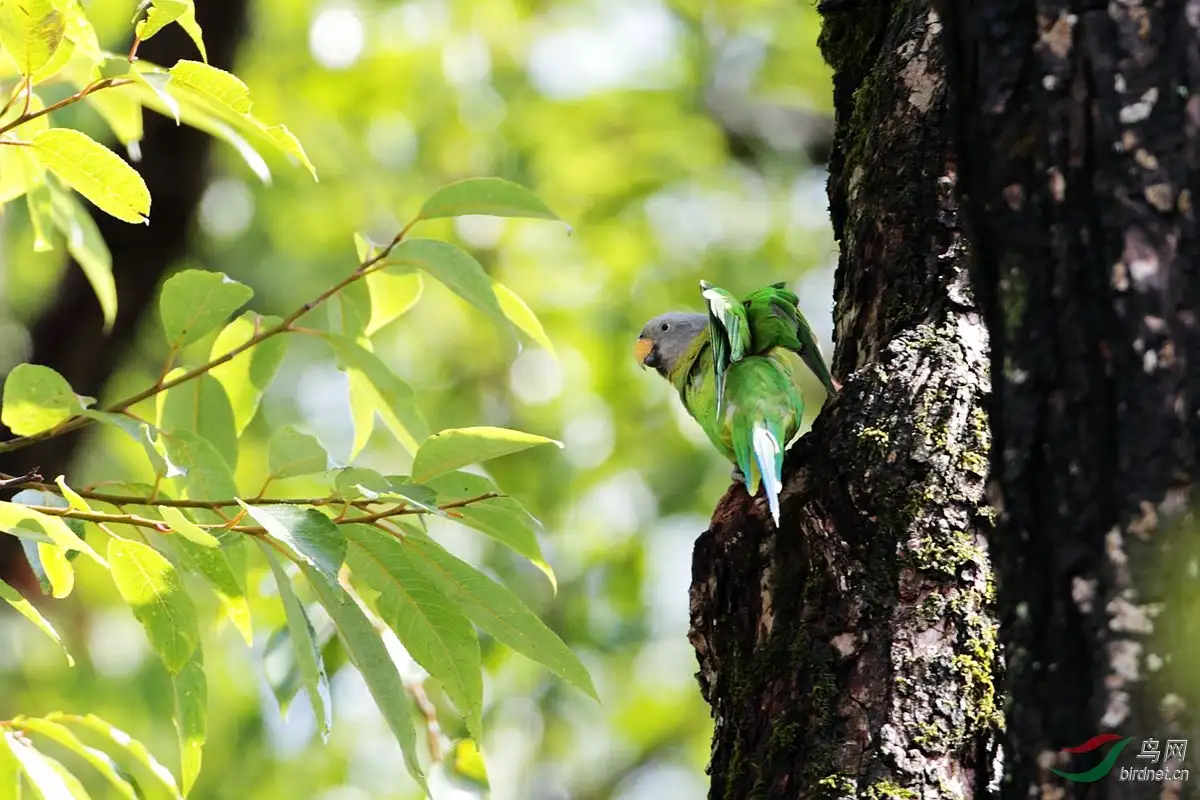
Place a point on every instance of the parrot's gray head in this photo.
(666, 338)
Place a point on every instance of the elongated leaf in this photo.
(502, 518)
(391, 296)
(29, 523)
(367, 652)
(246, 376)
(308, 535)
(191, 716)
(201, 406)
(498, 611)
(141, 432)
(122, 740)
(215, 564)
(455, 448)
(100, 760)
(194, 301)
(10, 771)
(153, 590)
(120, 108)
(31, 31)
(160, 14)
(430, 627)
(455, 268)
(206, 476)
(40, 202)
(54, 563)
(304, 642)
(40, 770)
(391, 397)
(522, 316)
(95, 172)
(222, 89)
(36, 398)
(186, 528)
(494, 197)
(292, 453)
(29, 612)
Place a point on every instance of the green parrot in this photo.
(732, 377)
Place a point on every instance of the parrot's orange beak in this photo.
(642, 349)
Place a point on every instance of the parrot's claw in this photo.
(737, 476)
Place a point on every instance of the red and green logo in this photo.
(1100, 770)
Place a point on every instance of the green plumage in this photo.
(733, 378)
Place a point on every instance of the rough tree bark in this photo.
(853, 652)
(1079, 130)
(67, 335)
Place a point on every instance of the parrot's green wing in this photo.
(730, 333)
(774, 318)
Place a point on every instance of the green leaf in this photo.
(360, 482)
(36, 398)
(40, 203)
(86, 245)
(160, 14)
(29, 523)
(201, 406)
(194, 301)
(391, 296)
(191, 716)
(287, 143)
(498, 611)
(207, 475)
(494, 197)
(222, 89)
(216, 567)
(30, 612)
(63, 736)
(95, 172)
(10, 771)
(308, 535)
(304, 643)
(122, 740)
(502, 518)
(54, 564)
(522, 316)
(372, 382)
(30, 31)
(367, 652)
(40, 770)
(120, 108)
(141, 432)
(294, 453)
(466, 762)
(454, 448)
(429, 626)
(186, 528)
(455, 268)
(247, 375)
(152, 588)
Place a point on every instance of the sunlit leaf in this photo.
(100, 760)
(206, 475)
(292, 453)
(153, 590)
(522, 316)
(40, 770)
(159, 15)
(391, 397)
(122, 740)
(489, 196)
(498, 611)
(246, 375)
(86, 245)
(194, 301)
(120, 108)
(10, 771)
(391, 296)
(223, 89)
(466, 762)
(95, 172)
(455, 268)
(186, 528)
(304, 642)
(31, 31)
(455, 448)
(200, 405)
(215, 565)
(30, 612)
(307, 534)
(191, 716)
(36, 398)
(20, 520)
(430, 627)
(368, 653)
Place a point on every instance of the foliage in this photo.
(360, 548)
(634, 153)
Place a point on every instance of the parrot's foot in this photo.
(737, 476)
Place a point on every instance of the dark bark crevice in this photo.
(67, 336)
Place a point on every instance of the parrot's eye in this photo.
(666, 326)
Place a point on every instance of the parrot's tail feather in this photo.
(768, 452)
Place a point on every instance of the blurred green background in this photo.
(677, 139)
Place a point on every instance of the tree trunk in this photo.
(1078, 140)
(853, 653)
